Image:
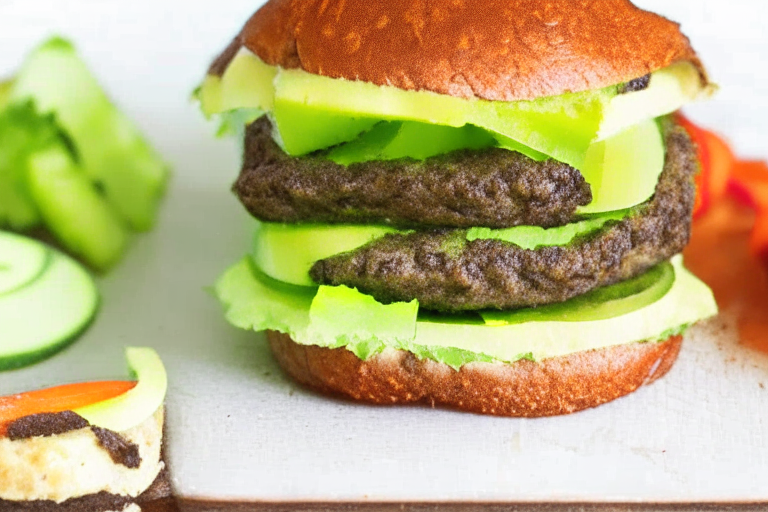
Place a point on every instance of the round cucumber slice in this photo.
(47, 314)
(22, 261)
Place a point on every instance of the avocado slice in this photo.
(111, 149)
(560, 127)
(132, 408)
(73, 209)
(245, 84)
(623, 170)
(286, 252)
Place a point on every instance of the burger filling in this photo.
(461, 230)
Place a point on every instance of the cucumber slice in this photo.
(112, 150)
(47, 314)
(286, 252)
(21, 261)
(132, 408)
(600, 304)
(73, 210)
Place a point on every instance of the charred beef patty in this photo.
(445, 272)
(493, 188)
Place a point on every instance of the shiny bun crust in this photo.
(492, 49)
(560, 385)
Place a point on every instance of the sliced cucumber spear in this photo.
(48, 300)
(112, 151)
(73, 210)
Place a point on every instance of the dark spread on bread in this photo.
(638, 84)
(156, 497)
(45, 424)
(120, 450)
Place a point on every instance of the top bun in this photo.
(491, 49)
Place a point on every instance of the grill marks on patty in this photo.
(445, 272)
(493, 188)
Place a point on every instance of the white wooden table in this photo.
(239, 430)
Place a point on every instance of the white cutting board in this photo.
(238, 429)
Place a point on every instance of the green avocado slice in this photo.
(132, 408)
(252, 302)
(560, 127)
(286, 252)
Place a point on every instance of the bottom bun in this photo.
(561, 385)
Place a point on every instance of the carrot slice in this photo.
(58, 399)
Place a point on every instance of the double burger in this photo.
(478, 205)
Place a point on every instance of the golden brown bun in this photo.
(493, 49)
(560, 385)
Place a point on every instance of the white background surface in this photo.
(238, 429)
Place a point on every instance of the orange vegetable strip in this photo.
(752, 175)
(758, 242)
(58, 399)
(698, 136)
(721, 162)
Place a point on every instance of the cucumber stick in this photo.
(73, 210)
(47, 300)
(111, 149)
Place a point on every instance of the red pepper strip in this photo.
(58, 399)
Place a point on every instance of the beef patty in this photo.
(493, 188)
(445, 272)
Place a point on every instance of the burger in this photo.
(477, 205)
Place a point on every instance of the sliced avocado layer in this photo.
(132, 408)
(252, 302)
(313, 112)
(286, 252)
